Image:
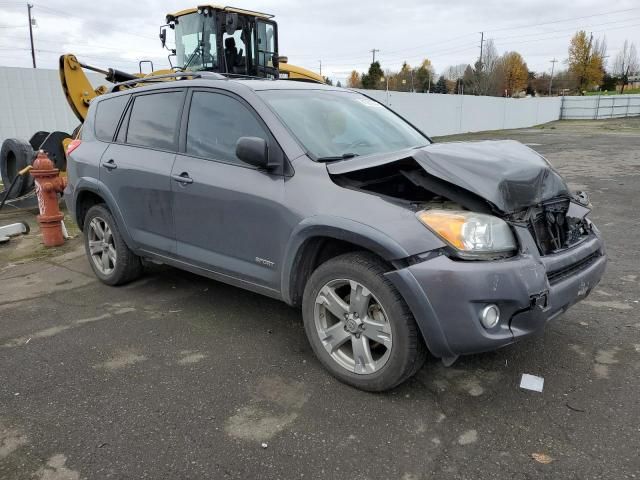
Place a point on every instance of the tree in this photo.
(515, 73)
(625, 64)
(467, 80)
(441, 85)
(423, 76)
(328, 81)
(371, 80)
(484, 81)
(609, 83)
(354, 80)
(586, 60)
(531, 80)
(539, 84)
(455, 72)
(404, 79)
(339, 84)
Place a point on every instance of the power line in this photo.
(419, 47)
(564, 20)
(569, 29)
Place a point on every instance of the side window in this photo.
(216, 122)
(154, 120)
(266, 44)
(108, 113)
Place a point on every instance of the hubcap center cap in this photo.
(352, 323)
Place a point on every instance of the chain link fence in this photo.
(600, 106)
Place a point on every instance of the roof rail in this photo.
(242, 76)
(160, 78)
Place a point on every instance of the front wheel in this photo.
(359, 325)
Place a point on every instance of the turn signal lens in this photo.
(468, 232)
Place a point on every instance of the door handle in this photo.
(183, 178)
(110, 165)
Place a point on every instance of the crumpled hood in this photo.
(506, 173)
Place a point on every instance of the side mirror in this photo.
(254, 151)
(163, 37)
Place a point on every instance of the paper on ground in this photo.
(531, 382)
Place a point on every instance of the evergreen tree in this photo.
(371, 79)
(441, 85)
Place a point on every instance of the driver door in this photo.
(229, 216)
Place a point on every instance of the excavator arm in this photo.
(78, 89)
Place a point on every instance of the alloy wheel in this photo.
(353, 326)
(102, 247)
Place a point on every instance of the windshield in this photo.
(332, 124)
(196, 43)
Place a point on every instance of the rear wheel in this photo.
(359, 325)
(109, 256)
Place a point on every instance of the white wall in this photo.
(32, 100)
(439, 114)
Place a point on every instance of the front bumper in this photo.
(446, 296)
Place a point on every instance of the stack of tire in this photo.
(16, 154)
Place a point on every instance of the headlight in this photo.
(472, 235)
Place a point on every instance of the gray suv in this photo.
(392, 245)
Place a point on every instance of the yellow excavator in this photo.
(227, 40)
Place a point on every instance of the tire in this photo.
(398, 351)
(15, 154)
(121, 265)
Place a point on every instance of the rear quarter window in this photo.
(108, 113)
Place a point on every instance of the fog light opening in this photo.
(490, 316)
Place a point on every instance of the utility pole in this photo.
(320, 67)
(553, 64)
(33, 52)
(481, 45)
(374, 50)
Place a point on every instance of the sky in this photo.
(338, 33)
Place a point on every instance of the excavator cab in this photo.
(225, 40)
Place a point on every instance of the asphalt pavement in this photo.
(180, 377)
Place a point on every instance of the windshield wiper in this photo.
(344, 156)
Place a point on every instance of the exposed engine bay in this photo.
(533, 195)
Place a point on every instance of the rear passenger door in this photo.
(228, 214)
(137, 168)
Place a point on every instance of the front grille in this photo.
(555, 276)
(553, 230)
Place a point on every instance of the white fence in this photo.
(600, 106)
(32, 100)
(441, 114)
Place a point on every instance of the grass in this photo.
(627, 91)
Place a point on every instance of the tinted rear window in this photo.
(108, 115)
(154, 120)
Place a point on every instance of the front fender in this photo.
(338, 228)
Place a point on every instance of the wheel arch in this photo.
(90, 192)
(318, 239)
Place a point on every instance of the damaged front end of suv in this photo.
(519, 247)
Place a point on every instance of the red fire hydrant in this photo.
(48, 184)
